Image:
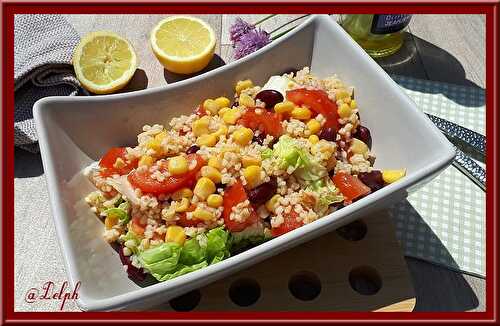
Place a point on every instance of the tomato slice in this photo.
(318, 101)
(136, 226)
(107, 162)
(265, 121)
(234, 195)
(351, 187)
(143, 180)
(183, 220)
(289, 223)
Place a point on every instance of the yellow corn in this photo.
(391, 176)
(221, 131)
(207, 140)
(211, 106)
(252, 175)
(146, 160)
(246, 100)
(344, 111)
(243, 136)
(271, 203)
(314, 126)
(177, 165)
(182, 193)
(211, 173)
(301, 113)
(284, 107)
(222, 102)
(214, 162)
(231, 116)
(358, 147)
(354, 104)
(214, 200)
(313, 139)
(182, 206)
(160, 136)
(222, 111)
(204, 188)
(200, 126)
(175, 234)
(203, 214)
(155, 145)
(242, 85)
(246, 160)
(341, 94)
(110, 221)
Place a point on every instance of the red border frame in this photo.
(490, 8)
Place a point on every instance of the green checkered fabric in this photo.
(444, 222)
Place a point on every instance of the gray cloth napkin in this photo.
(43, 46)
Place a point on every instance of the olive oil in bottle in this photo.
(379, 35)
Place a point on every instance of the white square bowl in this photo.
(75, 131)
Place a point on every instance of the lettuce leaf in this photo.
(249, 237)
(326, 194)
(217, 245)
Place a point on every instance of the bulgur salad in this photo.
(234, 173)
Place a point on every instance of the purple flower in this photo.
(238, 29)
(251, 42)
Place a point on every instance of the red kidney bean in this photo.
(363, 134)
(270, 97)
(372, 179)
(134, 273)
(261, 194)
(329, 134)
(193, 149)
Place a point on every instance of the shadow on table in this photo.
(437, 287)
(27, 164)
(418, 58)
(171, 77)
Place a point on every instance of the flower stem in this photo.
(291, 21)
(282, 33)
(264, 19)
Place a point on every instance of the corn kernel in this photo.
(313, 139)
(301, 113)
(214, 200)
(182, 193)
(222, 111)
(284, 107)
(243, 136)
(160, 136)
(155, 145)
(314, 126)
(341, 94)
(175, 234)
(252, 175)
(146, 160)
(358, 147)
(200, 126)
(207, 140)
(110, 221)
(354, 104)
(204, 188)
(222, 102)
(182, 206)
(344, 111)
(211, 106)
(231, 116)
(203, 214)
(178, 165)
(246, 100)
(272, 203)
(391, 176)
(221, 131)
(214, 162)
(242, 85)
(211, 173)
(246, 160)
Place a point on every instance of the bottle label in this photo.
(386, 24)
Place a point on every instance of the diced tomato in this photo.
(200, 111)
(289, 223)
(350, 186)
(234, 195)
(143, 180)
(107, 162)
(136, 226)
(318, 101)
(183, 220)
(265, 121)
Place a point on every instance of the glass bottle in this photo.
(379, 35)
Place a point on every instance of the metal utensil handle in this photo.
(468, 140)
(470, 168)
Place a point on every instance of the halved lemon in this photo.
(104, 62)
(183, 44)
